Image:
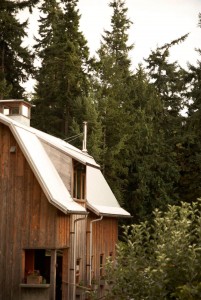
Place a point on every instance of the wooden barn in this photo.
(58, 216)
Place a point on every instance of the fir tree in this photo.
(168, 79)
(15, 60)
(113, 72)
(152, 174)
(190, 149)
(62, 78)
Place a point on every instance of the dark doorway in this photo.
(59, 276)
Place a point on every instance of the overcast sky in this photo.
(155, 22)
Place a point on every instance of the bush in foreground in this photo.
(160, 259)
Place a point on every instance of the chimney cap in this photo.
(16, 101)
(17, 109)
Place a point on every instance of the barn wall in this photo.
(104, 239)
(27, 219)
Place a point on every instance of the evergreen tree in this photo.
(139, 161)
(113, 73)
(190, 152)
(62, 80)
(152, 174)
(15, 60)
(190, 149)
(161, 165)
(168, 79)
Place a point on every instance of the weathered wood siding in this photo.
(104, 239)
(104, 236)
(77, 252)
(27, 219)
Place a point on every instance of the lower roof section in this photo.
(100, 198)
(101, 210)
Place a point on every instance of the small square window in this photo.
(79, 181)
(15, 111)
(25, 111)
(6, 111)
(37, 266)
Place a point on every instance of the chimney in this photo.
(84, 144)
(18, 110)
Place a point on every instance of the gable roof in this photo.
(43, 168)
(100, 198)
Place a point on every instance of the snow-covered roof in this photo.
(100, 198)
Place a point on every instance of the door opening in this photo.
(59, 275)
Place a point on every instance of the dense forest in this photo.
(148, 151)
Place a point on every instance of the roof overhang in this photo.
(42, 167)
(108, 211)
(16, 101)
(100, 198)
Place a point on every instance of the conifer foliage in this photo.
(152, 169)
(149, 152)
(62, 80)
(15, 60)
(113, 76)
(190, 188)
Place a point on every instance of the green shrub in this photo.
(160, 259)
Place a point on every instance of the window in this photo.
(25, 111)
(6, 111)
(101, 265)
(14, 111)
(11, 111)
(79, 181)
(77, 274)
(37, 264)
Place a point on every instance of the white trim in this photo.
(42, 167)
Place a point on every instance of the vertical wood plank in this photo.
(27, 219)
